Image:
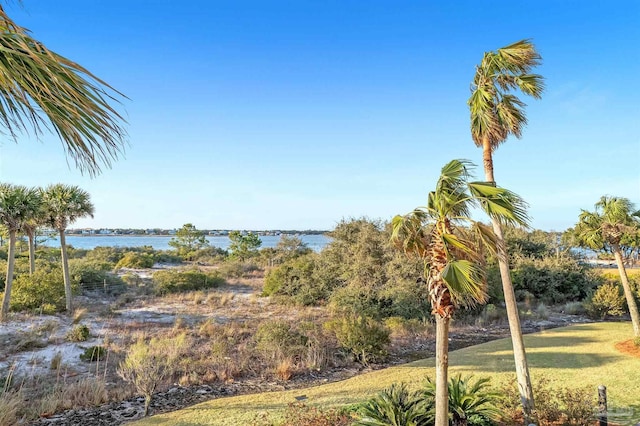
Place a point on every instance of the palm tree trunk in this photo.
(65, 272)
(32, 252)
(519, 354)
(628, 294)
(442, 367)
(9, 281)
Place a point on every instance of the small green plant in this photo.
(148, 364)
(56, 361)
(79, 333)
(607, 300)
(394, 406)
(93, 354)
(470, 402)
(136, 260)
(175, 281)
(636, 342)
(277, 339)
(365, 338)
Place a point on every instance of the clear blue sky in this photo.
(296, 114)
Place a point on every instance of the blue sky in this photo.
(296, 114)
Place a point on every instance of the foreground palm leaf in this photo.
(496, 114)
(41, 90)
(452, 246)
(605, 229)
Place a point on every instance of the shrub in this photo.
(298, 414)
(175, 281)
(94, 275)
(393, 406)
(563, 406)
(364, 338)
(135, 260)
(574, 308)
(549, 280)
(277, 339)
(470, 400)
(607, 300)
(147, 364)
(79, 333)
(110, 255)
(44, 288)
(93, 353)
(237, 268)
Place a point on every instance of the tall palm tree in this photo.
(604, 229)
(42, 90)
(451, 244)
(63, 205)
(17, 204)
(495, 114)
(30, 225)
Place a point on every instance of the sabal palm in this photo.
(63, 205)
(17, 205)
(41, 90)
(451, 244)
(495, 114)
(30, 226)
(613, 219)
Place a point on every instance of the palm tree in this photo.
(605, 229)
(496, 114)
(17, 204)
(63, 205)
(30, 226)
(41, 90)
(451, 245)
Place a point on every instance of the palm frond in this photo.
(42, 90)
(466, 282)
(500, 203)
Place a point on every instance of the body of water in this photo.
(314, 242)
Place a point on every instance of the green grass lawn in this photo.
(576, 356)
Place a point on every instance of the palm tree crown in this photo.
(495, 113)
(444, 235)
(64, 204)
(41, 90)
(607, 225)
(18, 204)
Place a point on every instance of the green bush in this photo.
(79, 333)
(94, 274)
(277, 339)
(45, 288)
(607, 300)
(135, 260)
(176, 281)
(93, 353)
(395, 406)
(364, 338)
(111, 255)
(237, 268)
(554, 406)
(471, 401)
(551, 280)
